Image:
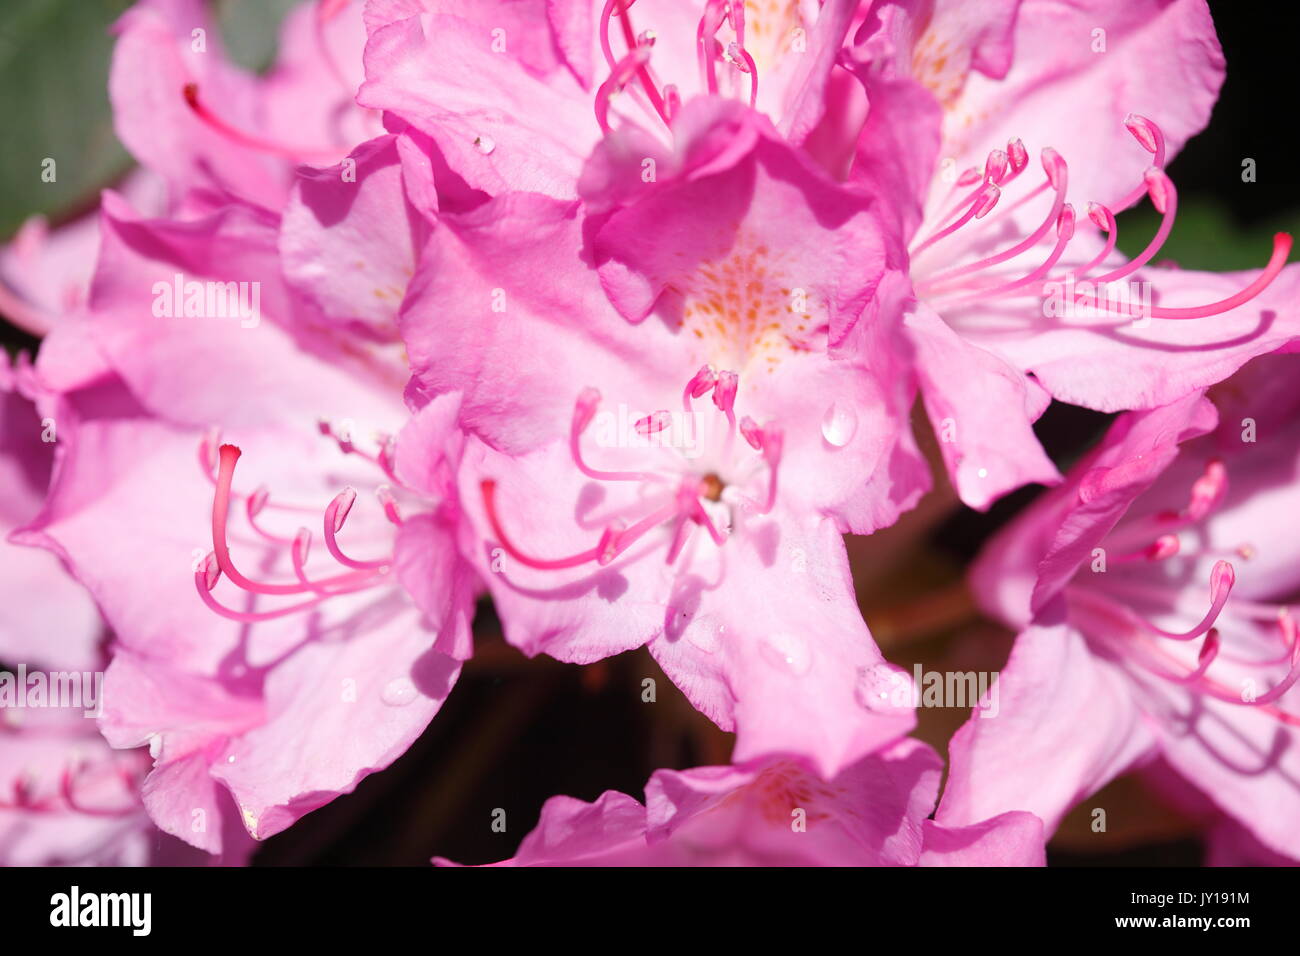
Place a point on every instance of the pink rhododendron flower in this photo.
(211, 129)
(239, 688)
(776, 813)
(1120, 658)
(46, 619)
(683, 481)
(1020, 295)
(618, 310)
(566, 71)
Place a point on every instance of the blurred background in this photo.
(517, 731)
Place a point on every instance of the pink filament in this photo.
(237, 135)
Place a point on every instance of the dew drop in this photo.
(484, 144)
(880, 687)
(398, 692)
(839, 425)
(787, 652)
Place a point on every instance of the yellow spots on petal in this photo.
(746, 310)
(771, 27)
(940, 66)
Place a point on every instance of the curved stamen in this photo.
(1209, 651)
(1064, 233)
(1222, 578)
(489, 488)
(202, 577)
(1104, 219)
(1281, 250)
(254, 504)
(1058, 179)
(237, 135)
(1165, 198)
(700, 383)
(584, 409)
(981, 201)
(335, 515)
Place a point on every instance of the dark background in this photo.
(515, 731)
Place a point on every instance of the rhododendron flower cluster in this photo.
(590, 328)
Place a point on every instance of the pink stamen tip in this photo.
(1055, 168)
(773, 444)
(608, 547)
(584, 409)
(1286, 622)
(995, 167)
(702, 381)
(1100, 215)
(389, 504)
(1208, 490)
(969, 178)
(1159, 188)
(257, 501)
(1164, 547)
(752, 433)
(209, 572)
(672, 101)
(1017, 155)
(1144, 131)
(1065, 223)
(724, 392)
(337, 511)
(988, 198)
(653, 423)
(301, 546)
(1222, 577)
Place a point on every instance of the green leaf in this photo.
(54, 57)
(1205, 236)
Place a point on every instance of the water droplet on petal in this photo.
(398, 692)
(881, 687)
(484, 144)
(787, 652)
(839, 425)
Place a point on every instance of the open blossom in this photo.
(1000, 136)
(564, 73)
(65, 796)
(308, 657)
(618, 310)
(777, 813)
(46, 618)
(1153, 590)
(708, 525)
(211, 129)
